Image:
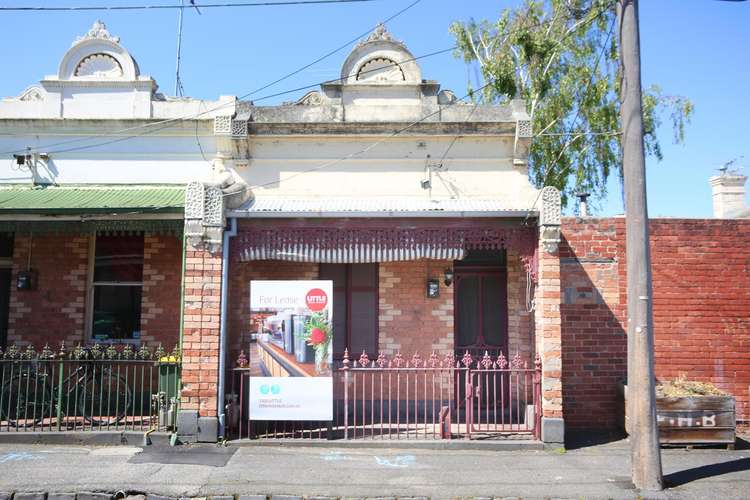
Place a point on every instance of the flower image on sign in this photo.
(291, 350)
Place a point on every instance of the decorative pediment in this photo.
(312, 98)
(380, 58)
(98, 31)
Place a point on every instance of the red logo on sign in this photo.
(316, 299)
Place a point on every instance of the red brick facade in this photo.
(55, 310)
(160, 302)
(701, 275)
(701, 282)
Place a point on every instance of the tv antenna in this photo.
(729, 166)
(178, 90)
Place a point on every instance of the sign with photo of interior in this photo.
(291, 350)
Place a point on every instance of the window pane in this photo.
(364, 309)
(364, 275)
(119, 258)
(117, 312)
(494, 307)
(6, 245)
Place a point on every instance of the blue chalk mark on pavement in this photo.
(397, 461)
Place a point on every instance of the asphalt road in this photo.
(190, 471)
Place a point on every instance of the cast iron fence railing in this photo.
(96, 388)
(441, 397)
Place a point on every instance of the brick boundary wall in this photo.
(701, 281)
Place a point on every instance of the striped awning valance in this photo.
(364, 245)
(358, 254)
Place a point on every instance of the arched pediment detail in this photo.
(380, 59)
(98, 56)
(380, 69)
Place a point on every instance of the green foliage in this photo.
(562, 58)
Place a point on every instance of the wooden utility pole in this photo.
(644, 435)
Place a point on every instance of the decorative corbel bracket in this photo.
(234, 125)
(204, 216)
(549, 219)
(524, 133)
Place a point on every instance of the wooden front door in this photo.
(481, 304)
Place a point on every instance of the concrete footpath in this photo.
(599, 471)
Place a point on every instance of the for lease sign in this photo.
(292, 350)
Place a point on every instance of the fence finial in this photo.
(242, 360)
(46, 352)
(346, 359)
(398, 360)
(538, 361)
(61, 353)
(382, 359)
(433, 361)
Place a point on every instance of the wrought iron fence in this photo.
(94, 388)
(441, 397)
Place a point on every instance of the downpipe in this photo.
(220, 406)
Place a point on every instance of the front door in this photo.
(481, 304)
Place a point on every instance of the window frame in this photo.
(90, 291)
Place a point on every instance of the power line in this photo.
(164, 6)
(221, 106)
(369, 147)
(168, 123)
(578, 110)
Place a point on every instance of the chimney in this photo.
(728, 191)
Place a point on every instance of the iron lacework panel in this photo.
(382, 241)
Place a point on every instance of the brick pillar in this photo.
(200, 345)
(548, 344)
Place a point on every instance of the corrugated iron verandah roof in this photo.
(91, 199)
(382, 240)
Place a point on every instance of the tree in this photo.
(561, 58)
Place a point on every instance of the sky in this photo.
(694, 48)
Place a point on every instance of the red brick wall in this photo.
(594, 345)
(701, 280)
(56, 310)
(408, 321)
(701, 273)
(160, 300)
(200, 344)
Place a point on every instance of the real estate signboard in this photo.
(291, 351)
